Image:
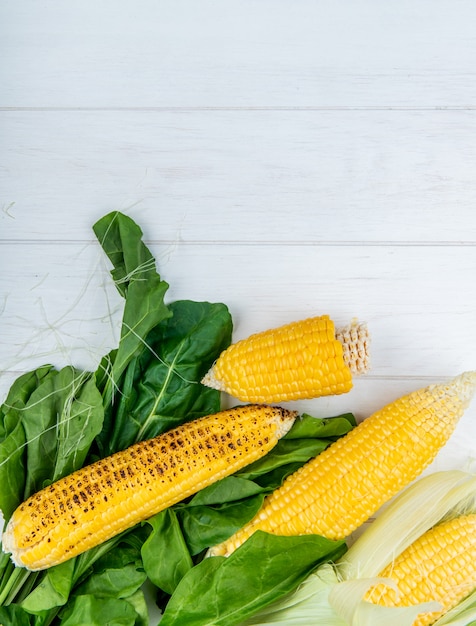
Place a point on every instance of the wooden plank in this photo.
(60, 299)
(307, 176)
(242, 53)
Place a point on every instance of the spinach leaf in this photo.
(308, 426)
(13, 439)
(53, 589)
(118, 574)
(161, 387)
(14, 615)
(167, 387)
(225, 591)
(12, 467)
(134, 274)
(166, 545)
(205, 526)
(61, 419)
(228, 489)
(90, 610)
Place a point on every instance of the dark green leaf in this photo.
(226, 490)
(80, 420)
(181, 351)
(165, 555)
(14, 615)
(161, 387)
(118, 574)
(121, 239)
(61, 419)
(135, 276)
(205, 526)
(40, 422)
(225, 591)
(13, 439)
(89, 610)
(53, 590)
(285, 452)
(18, 396)
(308, 426)
(12, 470)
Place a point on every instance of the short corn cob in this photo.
(334, 493)
(305, 359)
(99, 501)
(440, 566)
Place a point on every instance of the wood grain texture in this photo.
(286, 158)
(252, 176)
(271, 53)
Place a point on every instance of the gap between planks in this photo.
(271, 109)
(257, 242)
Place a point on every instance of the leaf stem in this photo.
(13, 586)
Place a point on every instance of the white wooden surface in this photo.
(286, 158)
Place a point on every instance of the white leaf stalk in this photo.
(333, 594)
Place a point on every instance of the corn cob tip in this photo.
(8, 544)
(462, 386)
(283, 419)
(355, 340)
(210, 380)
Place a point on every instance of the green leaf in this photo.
(53, 590)
(118, 574)
(227, 489)
(225, 591)
(89, 610)
(18, 396)
(135, 276)
(161, 387)
(61, 419)
(164, 553)
(205, 526)
(81, 419)
(181, 351)
(138, 602)
(12, 470)
(308, 426)
(285, 452)
(14, 615)
(13, 439)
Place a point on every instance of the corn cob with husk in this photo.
(337, 491)
(440, 566)
(101, 500)
(305, 359)
(416, 563)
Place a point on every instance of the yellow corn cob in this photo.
(334, 493)
(440, 565)
(305, 359)
(99, 501)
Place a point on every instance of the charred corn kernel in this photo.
(334, 493)
(440, 566)
(101, 500)
(305, 359)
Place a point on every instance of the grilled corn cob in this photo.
(99, 501)
(440, 565)
(305, 359)
(334, 493)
